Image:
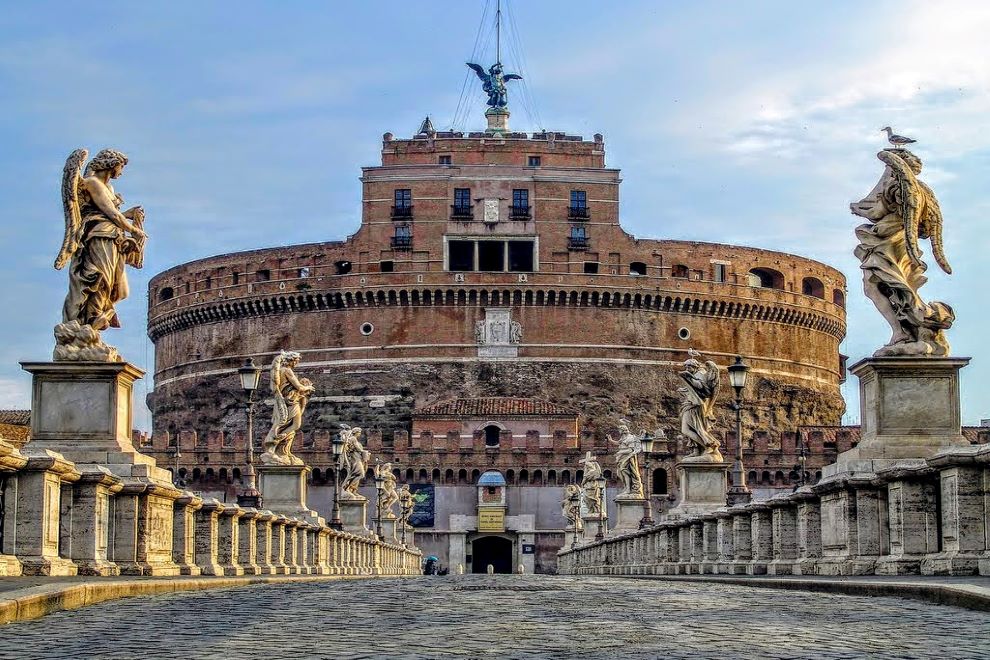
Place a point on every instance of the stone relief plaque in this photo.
(497, 335)
(491, 211)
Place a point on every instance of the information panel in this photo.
(491, 520)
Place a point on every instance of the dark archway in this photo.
(492, 435)
(493, 550)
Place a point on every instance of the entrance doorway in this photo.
(493, 550)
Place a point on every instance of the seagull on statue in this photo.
(897, 140)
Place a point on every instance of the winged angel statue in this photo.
(99, 242)
(698, 407)
(291, 394)
(901, 209)
(493, 84)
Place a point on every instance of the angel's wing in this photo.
(909, 199)
(71, 178)
(931, 227)
(714, 379)
(512, 76)
(480, 70)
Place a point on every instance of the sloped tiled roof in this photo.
(15, 417)
(494, 407)
(975, 434)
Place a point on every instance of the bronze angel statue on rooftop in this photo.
(100, 240)
(493, 83)
(901, 209)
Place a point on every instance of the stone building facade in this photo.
(493, 267)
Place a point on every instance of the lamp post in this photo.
(602, 485)
(738, 493)
(576, 510)
(379, 487)
(802, 459)
(646, 445)
(176, 455)
(250, 376)
(338, 449)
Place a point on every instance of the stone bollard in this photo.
(281, 540)
(696, 530)
(851, 511)
(207, 537)
(292, 548)
(36, 541)
(912, 517)
(723, 534)
(460, 569)
(247, 541)
(263, 542)
(184, 533)
(521, 568)
(742, 539)
(228, 540)
(709, 543)
(323, 541)
(783, 511)
(91, 520)
(965, 521)
(761, 528)
(491, 569)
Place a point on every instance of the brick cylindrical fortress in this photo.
(495, 266)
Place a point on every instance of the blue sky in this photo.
(247, 123)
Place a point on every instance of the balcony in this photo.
(577, 243)
(520, 212)
(461, 212)
(577, 213)
(402, 242)
(402, 212)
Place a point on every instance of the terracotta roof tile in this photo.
(494, 407)
(15, 417)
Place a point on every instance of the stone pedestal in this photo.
(629, 512)
(909, 408)
(592, 524)
(354, 516)
(388, 530)
(702, 488)
(911, 518)
(263, 542)
(184, 533)
(247, 537)
(284, 488)
(498, 121)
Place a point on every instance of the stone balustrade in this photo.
(60, 519)
(924, 516)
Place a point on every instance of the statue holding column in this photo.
(100, 242)
(291, 394)
(901, 209)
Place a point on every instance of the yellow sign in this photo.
(491, 520)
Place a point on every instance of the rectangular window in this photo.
(263, 275)
(579, 199)
(491, 256)
(445, 160)
(520, 198)
(460, 255)
(579, 233)
(236, 277)
(386, 266)
(521, 256)
(462, 198)
(403, 198)
(403, 231)
(304, 272)
(718, 272)
(534, 161)
(591, 267)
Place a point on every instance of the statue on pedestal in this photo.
(389, 495)
(901, 209)
(493, 84)
(570, 507)
(100, 240)
(291, 396)
(591, 491)
(698, 408)
(627, 463)
(407, 504)
(353, 462)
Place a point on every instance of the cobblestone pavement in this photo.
(504, 616)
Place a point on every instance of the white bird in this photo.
(897, 140)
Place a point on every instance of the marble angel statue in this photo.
(291, 395)
(627, 462)
(390, 496)
(407, 504)
(570, 507)
(901, 209)
(353, 463)
(100, 241)
(592, 494)
(697, 408)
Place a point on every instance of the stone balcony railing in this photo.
(927, 517)
(62, 519)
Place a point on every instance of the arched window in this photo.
(167, 293)
(659, 481)
(838, 298)
(424, 476)
(679, 270)
(751, 477)
(767, 278)
(812, 286)
(537, 478)
(765, 478)
(523, 477)
(462, 477)
(436, 475)
(551, 477)
(510, 477)
(475, 475)
(492, 435)
(448, 477)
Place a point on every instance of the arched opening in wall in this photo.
(236, 472)
(838, 298)
(410, 475)
(608, 476)
(317, 475)
(424, 476)
(448, 477)
(436, 475)
(210, 474)
(462, 477)
(565, 477)
(492, 433)
(551, 477)
(765, 478)
(637, 268)
(182, 473)
(197, 474)
(766, 278)
(812, 286)
(751, 477)
(167, 293)
(679, 270)
(491, 550)
(475, 475)
(659, 482)
(510, 477)
(523, 477)
(537, 478)
(778, 479)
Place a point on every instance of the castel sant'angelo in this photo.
(491, 315)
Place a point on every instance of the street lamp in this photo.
(379, 487)
(646, 445)
(576, 510)
(338, 449)
(250, 376)
(802, 459)
(738, 493)
(602, 485)
(176, 455)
